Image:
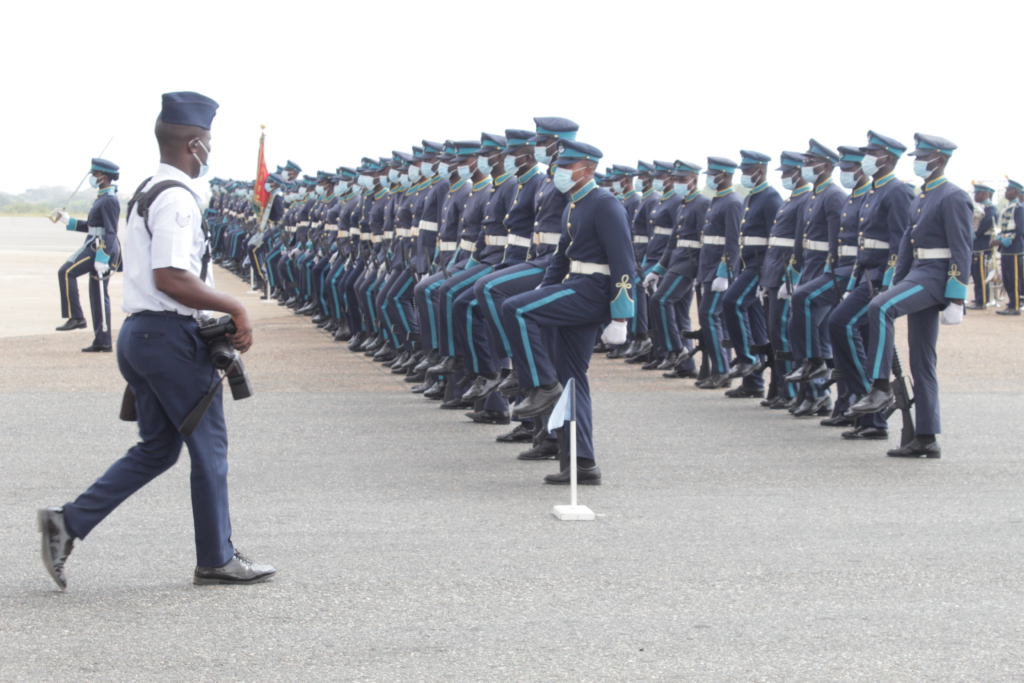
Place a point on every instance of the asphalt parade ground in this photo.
(732, 543)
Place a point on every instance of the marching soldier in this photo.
(98, 256)
(1010, 242)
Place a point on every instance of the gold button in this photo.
(568, 225)
(844, 214)
(572, 206)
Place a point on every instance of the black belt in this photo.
(166, 314)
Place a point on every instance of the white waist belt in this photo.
(376, 238)
(495, 240)
(447, 246)
(518, 241)
(331, 226)
(873, 244)
(303, 224)
(414, 232)
(388, 234)
(402, 232)
(354, 232)
(663, 231)
(290, 228)
(847, 250)
(814, 245)
(924, 254)
(781, 242)
(641, 239)
(429, 226)
(692, 244)
(584, 268)
(546, 237)
(712, 239)
(753, 241)
(467, 245)
(96, 232)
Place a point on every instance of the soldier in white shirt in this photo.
(167, 288)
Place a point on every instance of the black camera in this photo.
(214, 332)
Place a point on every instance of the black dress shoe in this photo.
(916, 449)
(716, 380)
(356, 341)
(238, 570)
(490, 417)
(450, 365)
(1005, 311)
(56, 542)
(639, 347)
(601, 347)
(808, 371)
(432, 358)
(618, 352)
(742, 370)
(545, 450)
(436, 392)
(72, 324)
(415, 377)
(520, 434)
(385, 353)
(875, 401)
(509, 387)
(680, 374)
(838, 421)
(975, 306)
(875, 433)
(537, 401)
(814, 406)
(652, 364)
(584, 476)
(342, 334)
(456, 404)
(397, 362)
(744, 392)
(482, 387)
(783, 403)
(98, 348)
(670, 361)
(319, 318)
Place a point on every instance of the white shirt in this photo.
(178, 242)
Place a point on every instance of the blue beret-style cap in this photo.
(490, 142)
(720, 164)
(686, 168)
(850, 157)
(104, 166)
(554, 127)
(982, 187)
(879, 141)
(664, 166)
(404, 158)
(790, 160)
(369, 164)
(749, 158)
(347, 172)
(291, 165)
(1014, 184)
(188, 109)
(417, 151)
(464, 149)
(432, 147)
(926, 144)
(624, 171)
(817, 149)
(645, 166)
(276, 178)
(517, 138)
(279, 169)
(571, 151)
(600, 177)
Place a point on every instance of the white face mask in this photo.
(427, 170)
(789, 182)
(848, 179)
(617, 187)
(442, 169)
(94, 181)
(712, 182)
(869, 164)
(808, 173)
(747, 181)
(414, 174)
(393, 175)
(542, 156)
(204, 168)
(658, 185)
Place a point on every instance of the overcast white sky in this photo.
(336, 81)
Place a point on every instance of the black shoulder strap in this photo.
(144, 200)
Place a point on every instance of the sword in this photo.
(64, 208)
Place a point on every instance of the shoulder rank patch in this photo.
(183, 220)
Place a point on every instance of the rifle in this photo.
(904, 401)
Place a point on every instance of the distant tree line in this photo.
(42, 200)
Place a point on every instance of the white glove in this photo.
(615, 333)
(846, 294)
(651, 281)
(761, 291)
(101, 268)
(58, 215)
(719, 284)
(953, 314)
(784, 292)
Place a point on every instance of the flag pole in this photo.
(572, 460)
(573, 512)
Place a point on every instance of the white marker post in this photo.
(266, 281)
(103, 306)
(252, 280)
(564, 410)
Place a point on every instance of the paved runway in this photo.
(733, 544)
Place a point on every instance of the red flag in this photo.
(260, 194)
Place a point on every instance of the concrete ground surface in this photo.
(732, 543)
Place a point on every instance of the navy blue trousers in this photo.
(778, 333)
(575, 311)
(745, 320)
(922, 309)
(168, 367)
(670, 305)
(713, 331)
(451, 288)
(848, 330)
